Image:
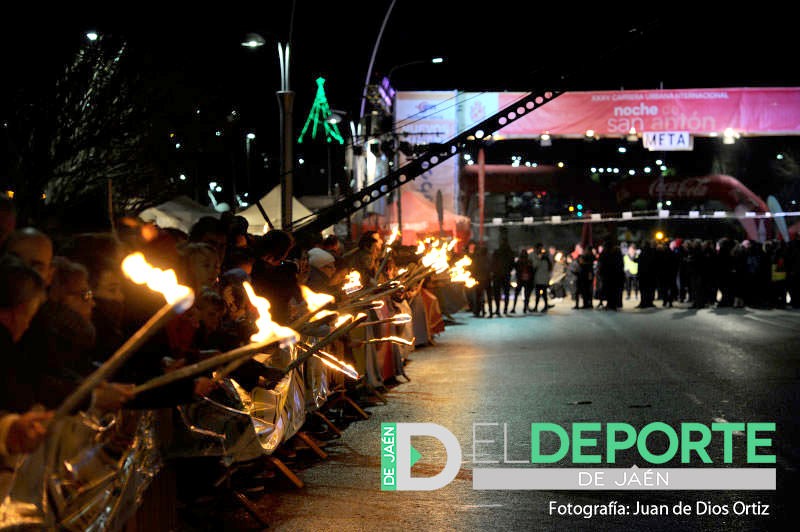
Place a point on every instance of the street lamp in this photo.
(253, 40)
(249, 138)
(433, 60)
(396, 161)
(336, 116)
(285, 103)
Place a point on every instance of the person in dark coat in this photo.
(22, 423)
(610, 268)
(667, 274)
(524, 270)
(272, 277)
(648, 275)
(481, 272)
(697, 265)
(726, 269)
(502, 263)
(543, 269)
(22, 293)
(584, 279)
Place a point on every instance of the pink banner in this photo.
(704, 112)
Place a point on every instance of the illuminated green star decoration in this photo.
(321, 112)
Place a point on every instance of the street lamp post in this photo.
(285, 105)
(433, 60)
(249, 138)
(399, 202)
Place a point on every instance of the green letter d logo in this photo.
(405, 482)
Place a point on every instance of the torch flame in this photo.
(393, 237)
(436, 258)
(463, 262)
(353, 282)
(460, 274)
(315, 301)
(266, 327)
(138, 270)
(344, 318)
(420, 248)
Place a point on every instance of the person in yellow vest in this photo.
(631, 267)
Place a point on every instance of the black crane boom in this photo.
(425, 161)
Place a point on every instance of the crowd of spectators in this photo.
(66, 307)
(696, 272)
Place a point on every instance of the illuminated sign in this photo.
(668, 141)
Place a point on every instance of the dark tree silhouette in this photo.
(93, 130)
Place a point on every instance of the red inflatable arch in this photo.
(726, 189)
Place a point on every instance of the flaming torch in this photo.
(317, 304)
(342, 327)
(352, 282)
(434, 261)
(387, 250)
(267, 329)
(460, 274)
(397, 319)
(178, 297)
(268, 333)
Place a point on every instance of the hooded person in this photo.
(322, 266)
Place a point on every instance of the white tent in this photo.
(272, 206)
(181, 213)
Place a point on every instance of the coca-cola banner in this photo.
(700, 112)
(723, 188)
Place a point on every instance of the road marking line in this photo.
(769, 322)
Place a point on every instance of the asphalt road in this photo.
(634, 366)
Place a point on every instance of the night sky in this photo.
(195, 59)
(497, 46)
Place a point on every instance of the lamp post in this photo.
(435, 61)
(334, 118)
(249, 138)
(285, 105)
